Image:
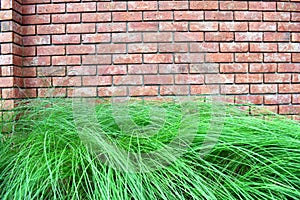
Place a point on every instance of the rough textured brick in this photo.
(201, 5)
(248, 78)
(263, 89)
(158, 58)
(188, 15)
(81, 7)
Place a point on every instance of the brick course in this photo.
(247, 50)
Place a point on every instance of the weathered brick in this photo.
(51, 29)
(65, 60)
(233, 47)
(277, 57)
(248, 57)
(234, 68)
(188, 37)
(247, 16)
(204, 5)
(263, 47)
(262, 26)
(263, 89)
(95, 38)
(173, 5)
(205, 89)
(288, 88)
(65, 18)
(158, 58)
(189, 79)
(219, 36)
(111, 48)
(96, 59)
(262, 6)
(65, 39)
(111, 70)
(143, 69)
(248, 78)
(144, 5)
(174, 90)
(111, 6)
(157, 37)
(158, 15)
(276, 37)
(277, 78)
(127, 37)
(81, 28)
(128, 80)
(135, 91)
(81, 49)
(142, 26)
(218, 15)
(50, 50)
(158, 79)
(111, 27)
(142, 48)
(81, 7)
(219, 57)
(234, 26)
(127, 16)
(173, 68)
(204, 47)
(203, 26)
(96, 80)
(173, 26)
(219, 78)
(261, 68)
(276, 16)
(96, 17)
(188, 15)
(234, 5)
(248, 36)
(189, 58)
(36, 19)
(235, 89)
(289, 67)
(36, 40)
(290, 47)
(50, 8)
(127, 59)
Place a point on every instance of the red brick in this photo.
(188, 15)
(95, 38)
(127, 16)
(295, 37)
(6, 4)
(81, 28)
(127, 37)
(295, 17)
(157, 37)
(111, 6)
(247, 16)
(36, 19)
(6, 14)
(248, 36)
(143, 69)
(128, 80)
(50, 50)
(177, 47)
(6, 81)
(233, 47)
(204, 47)
(288, 6)
(174, 90)
(277, 99)
(288, 26)
(188, 37)
(96, 59)
(189, 79)
(189, 58)
(53, 92)
(277, 78)
(111, 27)
(219, 36)
(65, 60)
(50, 8)
(173, 5)
(204, 5)
(158, 58)
(28, 51)
(263, 47)
(6, 37)
(260, 68)
(36, 61)
(127, 59)
(158, 15)
(262, 6)
(67, 81)
(218, 15)
(173, 26)
(81, 70)
(111, 70)
(82, 92)
(205, 89)
(219, 78)
(96, 80)
(253, 99)
(173, 68)
(112, 91)
(277, 57)
(96, 17)
(290, 47)
(295, 78)
(248, 57)
(65, 18)
(81, 49)
(225, 5)
(51, 29)
(219, 57)
(144, 5)
(289, 109)
(143, 91)
(289, 67)
(296, 57)
(36, 40)
(263, 89)
(51, 71)
(277, 16)
(28, 30)
(65, 39)
(248, 78)
(234, 89)
(111, 48)
(142, 48)
(158, 79)
(262, 26)
(234, 68)
(276, 37)
(37, 82)
(204, 68)
(296, 98)
(289, 88)
(142, 26)
(203, 26)
(81, 7)
(234, 26)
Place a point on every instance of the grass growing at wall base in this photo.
(45, 158)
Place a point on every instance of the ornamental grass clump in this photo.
(45, 155)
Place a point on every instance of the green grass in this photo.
(45, 157)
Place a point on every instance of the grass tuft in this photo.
(45, 155)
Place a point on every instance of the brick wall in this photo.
(246, 50)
